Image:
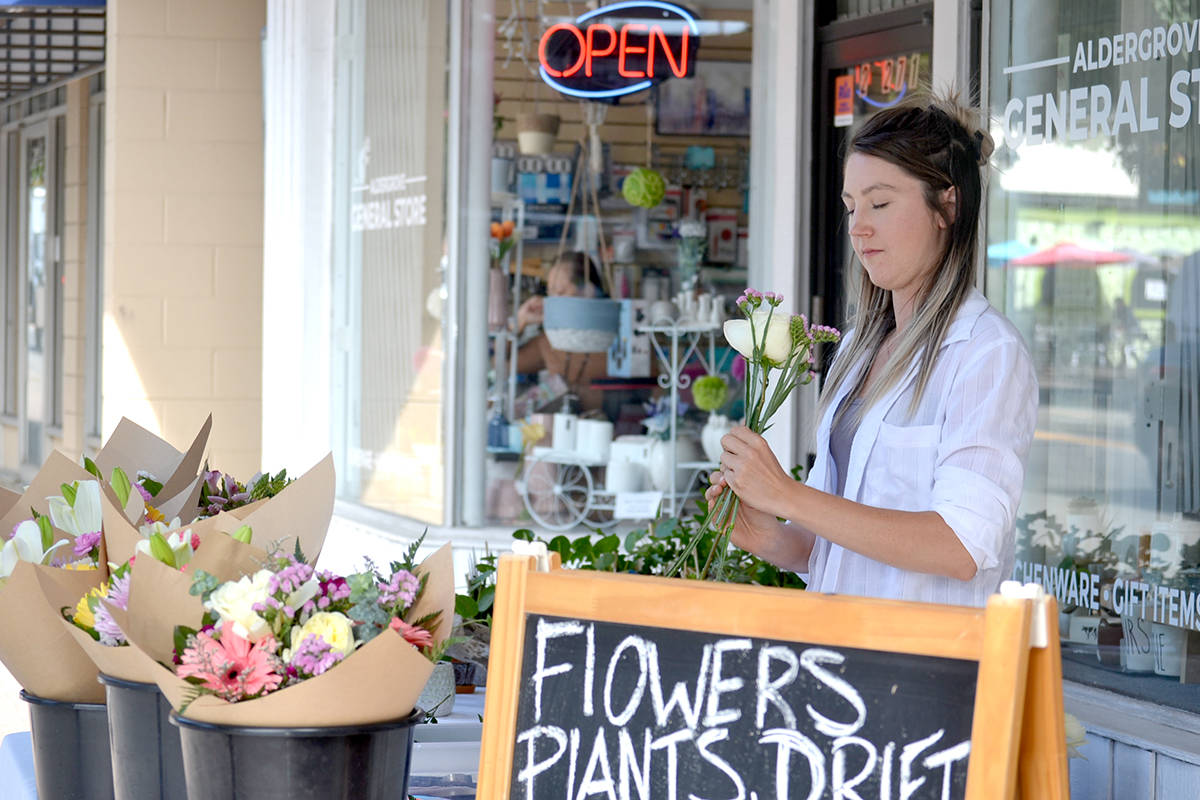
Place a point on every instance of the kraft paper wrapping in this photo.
(301, 511)
(219, 554)
(48, 482)
(43, 657)
(131, 447)
(126, 663)
(378, 682)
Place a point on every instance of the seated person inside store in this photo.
(572, 275)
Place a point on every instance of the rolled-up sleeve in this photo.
(991, 413)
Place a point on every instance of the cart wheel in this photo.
(557, 494)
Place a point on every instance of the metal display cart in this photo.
(561, 489)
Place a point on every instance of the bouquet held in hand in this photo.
(778, 348)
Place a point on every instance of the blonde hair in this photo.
(939, 142)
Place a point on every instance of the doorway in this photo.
(40, 279)
(877, 61)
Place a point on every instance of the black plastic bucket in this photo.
(71, 760)
(238, 762)
(146, 755)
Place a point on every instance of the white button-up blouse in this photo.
(962, 455)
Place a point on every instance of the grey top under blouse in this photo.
(841, 436)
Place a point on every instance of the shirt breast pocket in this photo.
(899, 473)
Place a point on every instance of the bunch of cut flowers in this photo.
(291, 645)
(778, 349)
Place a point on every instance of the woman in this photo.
(929, 408)
(571, 276)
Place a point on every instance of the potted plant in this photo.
(536, 133)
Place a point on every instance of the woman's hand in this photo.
(751, 470)
(531, 311)
(754, 531)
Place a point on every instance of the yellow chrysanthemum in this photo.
(153, 514)
(80, 566)
(83, 610)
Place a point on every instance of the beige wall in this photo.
(183, 231)
(74, 320)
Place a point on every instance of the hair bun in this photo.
(984, 146)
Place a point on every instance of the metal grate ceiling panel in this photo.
(44, 45)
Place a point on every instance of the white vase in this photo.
(659, 463)
(710, 438)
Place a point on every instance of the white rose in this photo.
(775, 338)
(234, 603)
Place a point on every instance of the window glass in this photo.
(1092, 252)
(623, 180)
(388, 255)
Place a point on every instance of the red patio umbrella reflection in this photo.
(1067, 254)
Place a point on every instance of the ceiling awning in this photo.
(47, 42)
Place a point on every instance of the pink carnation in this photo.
(230, 666)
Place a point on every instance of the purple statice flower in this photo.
(333, 588)
(144, 492)
(118, 594)
(314, 656)
(290, 578)
(84, 543)
(402, 587)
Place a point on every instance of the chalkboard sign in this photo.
(623, 686)
(650, 712)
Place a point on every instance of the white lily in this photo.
(25, 545)
(85, 516)
(775, 338)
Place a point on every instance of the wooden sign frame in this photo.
(1018, 738)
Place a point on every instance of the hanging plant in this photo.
(644, 188)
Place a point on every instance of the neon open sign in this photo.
(619, 49)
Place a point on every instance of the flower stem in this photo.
(714, 520)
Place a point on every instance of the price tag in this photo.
(637, 505)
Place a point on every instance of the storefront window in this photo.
(635, 196)
(389, 244)
(1094, 253)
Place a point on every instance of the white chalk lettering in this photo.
(532, 767)
(545, 632)
(689, 707)
(811, 660)
(638, 644)
(789, 742)
(908, 755)
(598, 759)
(671, 742)
(707, 739)
(768, 689)
(714, 715)
(627, 766)
(946, 759)
(841, 788)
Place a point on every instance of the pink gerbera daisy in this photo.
(415, 635)
(231, 666)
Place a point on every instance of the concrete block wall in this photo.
(75, 271)
(184, 222)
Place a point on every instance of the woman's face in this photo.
(558, 282)
(896, 235)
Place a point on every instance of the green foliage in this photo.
(476, 604)
(91, 467)
(269, 485)
(69, 493)
(651, 550)
(364, 594)
(203, 585)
